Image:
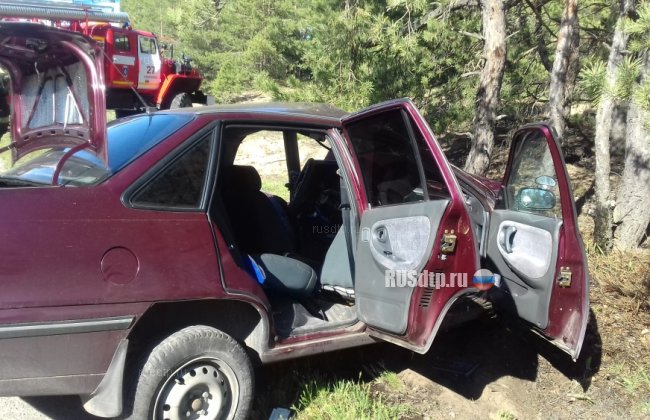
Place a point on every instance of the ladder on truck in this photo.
(74, 15)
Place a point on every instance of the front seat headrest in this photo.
(244, 178)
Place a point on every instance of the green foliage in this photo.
(357, 52)
(639, 29)
(631, 83)
(629, 72)
(592, 80)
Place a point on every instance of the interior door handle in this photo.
(508, 238)
(381, 234)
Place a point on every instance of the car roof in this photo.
(316, 111)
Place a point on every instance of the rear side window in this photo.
(387, 159)
(129, 138)
(180, 185)
(121, 43)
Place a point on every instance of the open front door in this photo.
(149, 63)
(534, 243)
(413, 257)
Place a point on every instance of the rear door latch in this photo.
(448, 243)
(564, 279)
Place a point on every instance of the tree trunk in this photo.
(565, 67)
(632, 211)
(603, 214)
(487, 96)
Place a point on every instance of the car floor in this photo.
(293, 317)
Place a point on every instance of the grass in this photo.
(276, 186)
(618, 273)
(390, 380)
(506, 415)
(346, 399)
(312, 393)
(645, 407)
(635, 379)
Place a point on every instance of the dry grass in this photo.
(625, 274)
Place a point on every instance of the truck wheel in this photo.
(198, 373)
(182, 100)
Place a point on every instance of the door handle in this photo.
(508, 238)
(381, 234)
(381, 242)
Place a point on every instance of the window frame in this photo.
(150, 42)
(115, 43)
(509, 200)
(151, 174)
(410, 131)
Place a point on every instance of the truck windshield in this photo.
(127, 139)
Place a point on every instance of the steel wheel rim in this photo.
(205, 388)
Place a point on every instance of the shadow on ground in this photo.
(464, 359)
(59, 408)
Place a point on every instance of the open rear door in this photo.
(414, 253)
(534, 243)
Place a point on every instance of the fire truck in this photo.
(138, 75)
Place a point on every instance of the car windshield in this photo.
(127, 139)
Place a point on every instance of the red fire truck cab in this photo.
(134, 59)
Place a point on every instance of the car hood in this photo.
(57, 89)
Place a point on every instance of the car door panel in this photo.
(529, 268)
(535, 245)
(416, 218)
(397, 238)
(149, 63)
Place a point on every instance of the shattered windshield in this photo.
(127, 139)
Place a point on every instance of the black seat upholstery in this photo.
(262, 229)
(314, 207)
(287, 276)
(259, 221)
(315, 177)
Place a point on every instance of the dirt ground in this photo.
(490, 369)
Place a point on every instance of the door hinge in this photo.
(564, 280)
(448, 243)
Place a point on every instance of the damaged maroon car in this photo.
(145, 268)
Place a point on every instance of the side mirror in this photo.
(545, 181)
(535, 199)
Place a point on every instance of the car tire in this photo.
(197, 372)
(182, 100)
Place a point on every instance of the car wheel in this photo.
(182, 100)
(196, 373)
